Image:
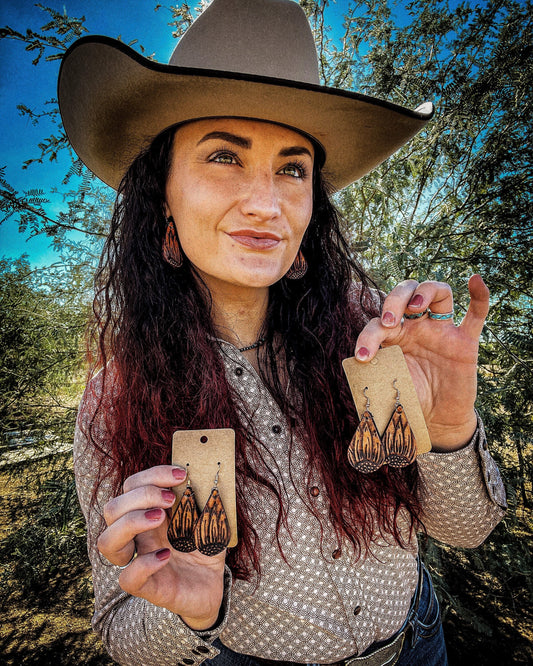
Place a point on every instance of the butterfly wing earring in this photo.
(172, 253)
(212, 532)
(298, 268)
(180, 531)
(398, 438)
(365, 452)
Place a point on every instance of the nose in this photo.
(261, 199)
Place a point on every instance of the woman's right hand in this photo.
(188, 584)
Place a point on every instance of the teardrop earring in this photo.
(171, 245)
(365, 452)
(212, 531)
(398, 438)
(180, 531)
(298, 268)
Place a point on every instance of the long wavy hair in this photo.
(162, 365)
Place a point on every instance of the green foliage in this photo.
(45, 590)
(41, 350)
(49, 543)
(53, 38)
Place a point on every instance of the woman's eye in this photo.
(224, 158)
(296, 170)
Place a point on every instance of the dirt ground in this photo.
(50, 623)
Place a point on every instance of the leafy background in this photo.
(456, 200)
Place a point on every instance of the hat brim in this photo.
(113, 102)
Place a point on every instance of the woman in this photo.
(226, 297)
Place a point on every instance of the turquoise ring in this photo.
(416, 316)
(440, 317)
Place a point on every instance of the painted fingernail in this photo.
(362, 353)
(168, 496)
(388, 319)
(416, 301)
(163, 554)
(179, 473)
(153, 514)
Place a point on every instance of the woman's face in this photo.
(240, 192)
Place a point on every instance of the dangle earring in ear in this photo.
(180, 531)
(398, 438)
(298, 268)
(171, 245)
(212, 531)
(365, 452)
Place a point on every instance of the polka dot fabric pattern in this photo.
(316, 603)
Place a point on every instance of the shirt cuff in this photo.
(478, 449)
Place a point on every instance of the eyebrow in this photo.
(244, 142)
(295, 150)
(227, 136)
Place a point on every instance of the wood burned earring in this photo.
(398, 438)
(365, 452)
(172, 253)
(298, 268)
(212, 531)
(180, 531)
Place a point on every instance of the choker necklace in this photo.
(255, 345)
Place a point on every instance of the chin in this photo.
(260, 277)
(255, 282)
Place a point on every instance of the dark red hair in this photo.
(154, 330)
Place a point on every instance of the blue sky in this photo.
(23, 83)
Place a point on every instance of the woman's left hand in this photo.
(441, 357)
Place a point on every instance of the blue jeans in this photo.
(423, 646)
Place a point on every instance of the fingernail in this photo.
(179, 473)
(163, 554)
(153, 514)
(168, 496)
(388, 319)
(416, 301)
(362, 353)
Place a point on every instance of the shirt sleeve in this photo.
(463, 496)
(134, 631)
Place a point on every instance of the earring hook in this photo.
(397, 392)
(367, 398)
(216, 476)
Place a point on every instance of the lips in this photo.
(256, 240)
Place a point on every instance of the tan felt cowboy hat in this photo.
(240, 58)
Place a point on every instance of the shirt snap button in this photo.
(314, 491)
(276, 429)
(238, 371)
(357, 610)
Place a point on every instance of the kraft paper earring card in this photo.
(385, 373)
(208, 452)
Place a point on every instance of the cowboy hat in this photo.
(240, 58)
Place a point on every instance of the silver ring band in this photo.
(440, 317)
(131, 559)
(415, 316)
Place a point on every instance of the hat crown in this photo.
(267, 38)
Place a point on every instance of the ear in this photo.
(167, 210)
